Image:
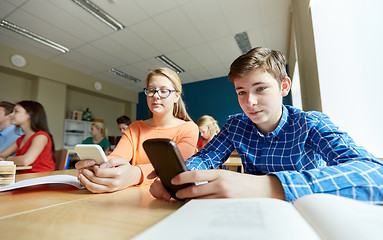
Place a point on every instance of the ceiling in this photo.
(198, 35)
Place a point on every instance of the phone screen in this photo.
(167, 161)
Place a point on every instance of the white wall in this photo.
(349, 46)
(101, 107)
(52, 84)
(14, 88)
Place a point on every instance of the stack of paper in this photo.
(7, 173)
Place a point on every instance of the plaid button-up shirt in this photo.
(306, 151)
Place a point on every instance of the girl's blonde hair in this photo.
(179, 109)
(210, 123)
(103, 127)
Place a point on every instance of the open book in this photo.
(64, 179)
(317, 216)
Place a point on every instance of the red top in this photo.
(44, 162)
(200, 143)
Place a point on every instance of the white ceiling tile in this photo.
(276, 36)
(134, 43)
(17, 41)
(186, 78)
(182, 2)
(84, 60)
(16, 2)
(116, 50)
(225, 48)
(257, 37)
(183, 59)
(126, 11)
(80, 14)
(6, 8)
(61, 19)
(207, 18)
(156, 7)
(274, 10)
(218, 70)
(177, 24)
(156, 63)
(200, 74)
(134, 72)
(73, 65)
(145, 66)
(196, 34)
(99, 55)
(241, 15)
(154, 34)
(203, 54)
(44, 29)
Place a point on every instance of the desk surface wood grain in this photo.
(58, 211)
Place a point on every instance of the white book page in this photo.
(232, 219)
(65, 179)
(335, 217)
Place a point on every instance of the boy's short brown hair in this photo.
(8, 107)
(271, 60)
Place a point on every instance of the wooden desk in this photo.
(23, 167)
(59, 211)
(232, 164)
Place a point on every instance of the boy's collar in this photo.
(281, 123)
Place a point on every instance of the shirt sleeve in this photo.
(124, 148)
(351, 171)
(187, 140)
(214, 154)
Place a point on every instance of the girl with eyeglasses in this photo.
(128, 164)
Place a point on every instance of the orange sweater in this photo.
(130, 144)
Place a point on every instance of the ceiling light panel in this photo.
(26, 33)
(100, 14)
(170, 63)
(243, 42)
(124, 75)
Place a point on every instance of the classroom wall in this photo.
(14, 88)
(215, 97)
(46, 92)
(107, 109)
(60, 90)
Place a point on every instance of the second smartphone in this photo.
(167, 161)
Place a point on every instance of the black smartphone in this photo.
(166, 159)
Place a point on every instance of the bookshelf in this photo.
(75, 132)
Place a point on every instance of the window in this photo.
(348, 40)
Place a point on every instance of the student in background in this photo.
(123, 123)
(282, 148)
(8, 132)
(208, 128)
(36, 146)
(99, 133)
(128, 164)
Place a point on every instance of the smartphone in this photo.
(167, 161)
(91, 151)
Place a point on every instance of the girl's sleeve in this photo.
(124, 148)
(187, 141)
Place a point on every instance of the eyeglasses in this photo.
(163, 92)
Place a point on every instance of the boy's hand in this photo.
(158, 191)
(221, 184)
